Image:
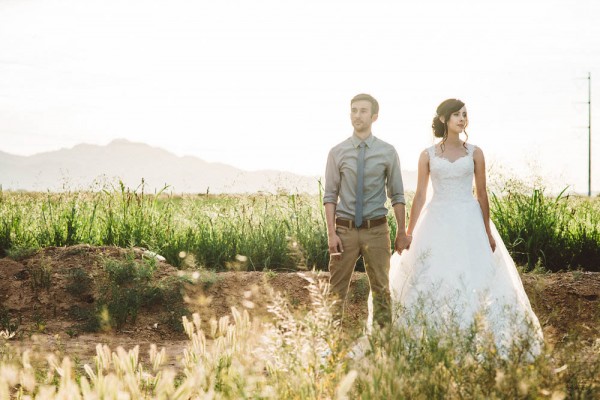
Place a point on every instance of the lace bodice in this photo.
(452, 180)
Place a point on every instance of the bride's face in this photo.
(458, 121)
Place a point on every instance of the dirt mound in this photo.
(54, 290)
(566, 303)
(50, 291)
(60, 289)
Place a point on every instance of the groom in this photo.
(360, 171)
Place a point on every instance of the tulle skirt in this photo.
(451, 277)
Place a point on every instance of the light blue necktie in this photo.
(360, 180)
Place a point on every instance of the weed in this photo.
(39, 322)
(88, 317)
(294, 301)
(124, 273)
(206, 278)
(578, 275)
(41, 277)
(77, 250)
(129, 287)
(361, 287)
(20, 253)
(7, 323)
(269, 274)
(79, 282)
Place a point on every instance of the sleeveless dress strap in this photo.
(470, 149)
(431, 152)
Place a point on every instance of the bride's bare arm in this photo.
(481, 193)
(421, 192)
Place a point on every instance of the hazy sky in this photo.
(266, 84)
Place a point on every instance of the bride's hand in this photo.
(402, 242)
(492, 242)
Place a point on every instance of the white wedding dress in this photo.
(450, 274)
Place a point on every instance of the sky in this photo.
(266, 84)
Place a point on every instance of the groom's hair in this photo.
(370, 99)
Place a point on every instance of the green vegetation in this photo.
(552, 233)
(270, 231)
(127, 289)
(41, 277)
(278, 232)
(7, 323)
(80, 283)
(128, 286)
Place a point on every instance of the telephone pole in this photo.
(589, 134)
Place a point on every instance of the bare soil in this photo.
(37, 299)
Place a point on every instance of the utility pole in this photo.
(589, 128)
(589, 134)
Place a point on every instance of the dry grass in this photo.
(308, 357)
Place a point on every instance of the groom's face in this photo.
(361, 116)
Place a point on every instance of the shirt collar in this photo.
(368, 141)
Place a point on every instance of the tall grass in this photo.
(553, 232)
(306, 356)
(271, 231)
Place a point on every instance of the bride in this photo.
(457, 268)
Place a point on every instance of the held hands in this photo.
(402, 242)
(335, 247)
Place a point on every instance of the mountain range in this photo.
(93, 167)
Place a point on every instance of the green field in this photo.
(287, 357)
(278, 232)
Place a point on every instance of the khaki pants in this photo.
(375, 247)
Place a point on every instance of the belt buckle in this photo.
(366, 224)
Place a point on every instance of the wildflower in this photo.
(6, 334)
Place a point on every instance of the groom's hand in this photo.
(402, 242)
(335, 247)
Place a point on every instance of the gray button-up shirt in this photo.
(382, 171)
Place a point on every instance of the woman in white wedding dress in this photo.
(457, 266)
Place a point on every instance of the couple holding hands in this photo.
(450, 261)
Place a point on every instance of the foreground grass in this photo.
(288, 358)
(257, 232)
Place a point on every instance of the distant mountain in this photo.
(91, 167)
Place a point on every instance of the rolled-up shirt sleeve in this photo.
(332, 180)
(395, 186)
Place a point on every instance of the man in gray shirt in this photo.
(362, 171)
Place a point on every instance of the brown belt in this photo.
(367, 224)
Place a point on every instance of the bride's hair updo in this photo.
(445, 110)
